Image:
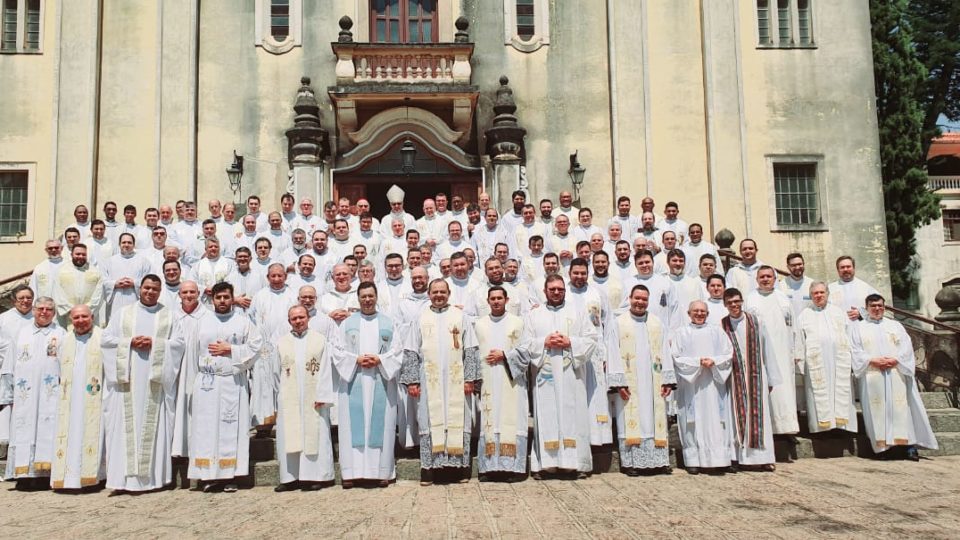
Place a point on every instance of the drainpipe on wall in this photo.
(614, 103)
(706, 63)
(98, 72)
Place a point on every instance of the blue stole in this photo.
(351, 328)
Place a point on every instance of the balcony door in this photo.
(403, 21)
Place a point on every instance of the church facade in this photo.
(756, 116)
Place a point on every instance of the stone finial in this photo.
(724, 238)
(346, 36)
(948, 299)
(505, 137)
(461, 36)
(307, 141)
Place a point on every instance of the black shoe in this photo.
(913, 454)
(289, 486)
(693, 470)
(426, 477)
(313, 486)
(733, 468)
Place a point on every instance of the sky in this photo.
(947, 125)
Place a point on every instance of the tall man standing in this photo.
(560, 340)
(142, 351)
(367, 364)
(78, 444)
(440, 367)
(229, 346)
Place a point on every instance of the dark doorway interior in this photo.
(416, 192)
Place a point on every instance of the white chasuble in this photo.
(703, 403)
(560, 409)
(78, 458)
(190, 324)
(367, 398)
(139, 396)
(75, 286)
(36, 394)
(304, 446)
(775, 313)
(892, 408)
(268, 310)
(593, 303)
(503, 398)
(823, 346)
(11, 322)
(219, 444)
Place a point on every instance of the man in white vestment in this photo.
(142, 350)
(885, 364)
(687, 287)
(246, 280)
(562, 241)
(641, 370)
(304, 444)
(11, 322)
(743, 276)
(368, 363)
(211, 269)
(395, 197)
(121, 274)
(663, 294)
(432, 228)
(78, 443)
(99, 247)
(796, 286)
(36, 395)
(702, 361)
(219, 444)
(78, 283)
(440, 368)
(775, 313)
(560, 341)
(339, 302)
(268, 311)
(823, 349)
(671, 222)
(462, 287)
(503, 397)
(44, 274)
(716, 284)
(697, 247)
(753, 376)
(849, 291)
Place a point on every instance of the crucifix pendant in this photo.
(455, 332)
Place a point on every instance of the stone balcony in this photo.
(385, 64)
(945, 185)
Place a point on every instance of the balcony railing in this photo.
(406, 63)
(944, 183)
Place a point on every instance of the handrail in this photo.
(18, 277)
(901, 312)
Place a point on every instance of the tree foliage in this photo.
(901, 80)
(936, 35)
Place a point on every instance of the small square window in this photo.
(951, 225)
(796, 190)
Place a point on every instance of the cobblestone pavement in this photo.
(812, 497)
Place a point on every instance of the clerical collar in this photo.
(172, 285)
(874, 321)
(367, 317)
(289, 217)
(224, 316)
(85, 336)
(601, 279)
(715, 300)
(492, 284)
(320, 253)
(640, 276)
(736, 319)
(439, 310)
(847, 280)
(279, 291)
(557, 307)
(298, 334)
(676, 277)
(694, 325)
(818, 308)
(55, 260)
(765, 293)
(578, 290)
(623, 264)
(152, 309)
(417, 295)
(639, 318)
(394, 281)
(498, 318)
(37, 328)
(128, 255)
(459, 281)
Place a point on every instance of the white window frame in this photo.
(822, 199)
(541, 22)
(31, 169)
(773, 19)
(22, 29)
(264, 38)
(952, 205)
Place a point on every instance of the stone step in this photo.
(949, 445)
(938, 400)
(944, 420)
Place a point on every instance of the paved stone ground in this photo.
(848, 497)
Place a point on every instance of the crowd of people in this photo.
(139, 346)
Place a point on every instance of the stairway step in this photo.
(949, 445)
(938, 400)
(944, 420)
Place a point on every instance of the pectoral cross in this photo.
(455, 332)
(627, 357)
(313, 366)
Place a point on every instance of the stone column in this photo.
(505, 148)
(308, 144)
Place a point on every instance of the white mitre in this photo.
(395, 194)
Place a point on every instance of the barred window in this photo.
(13, 203)
(763, 22)
(951, 225)
(9, 15)
(804, 31)
(526, 23)
(280, 19)
(797, 194)
(783, 20)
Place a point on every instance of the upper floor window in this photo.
(797, 188)
(403, 21)
(278, 24)
(16, 201)
(784, 23)
(526, 24)
(20, 26)
(951, 224)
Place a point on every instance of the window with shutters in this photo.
(16, 201)
(785, 24)
(951, 224)
(797, 193)
(526, 24)
(403, 21)
(278, 25)
(21, 26)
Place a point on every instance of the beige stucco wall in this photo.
(680, 103)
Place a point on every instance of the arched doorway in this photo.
(375, 164)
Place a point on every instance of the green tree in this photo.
(900, 79)
(935, 25)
